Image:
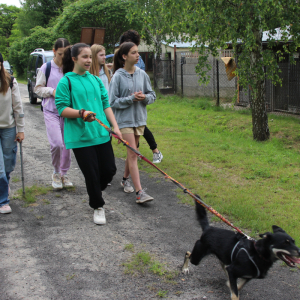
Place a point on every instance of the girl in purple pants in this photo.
(61, 157)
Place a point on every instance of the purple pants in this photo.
(61, 157)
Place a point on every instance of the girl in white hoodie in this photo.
(11, 131)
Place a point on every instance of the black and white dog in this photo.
(241, 258)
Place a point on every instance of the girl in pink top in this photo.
(61, 157)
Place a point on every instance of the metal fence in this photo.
(164, 75)
(179, 76)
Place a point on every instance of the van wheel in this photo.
(32, 99)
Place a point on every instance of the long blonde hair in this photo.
(95, 65)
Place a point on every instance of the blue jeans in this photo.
(8, 153)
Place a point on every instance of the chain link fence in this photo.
(179, 76)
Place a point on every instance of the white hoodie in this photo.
(11, 109)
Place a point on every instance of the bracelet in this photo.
(81, 112)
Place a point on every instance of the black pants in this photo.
(97, 163)
(149, 139)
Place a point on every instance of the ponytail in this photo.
(118, 57)
(71, 51)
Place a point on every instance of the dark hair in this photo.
(130, 36)
(4, 78)
(118, 59)
(61, 43)
(71, 51)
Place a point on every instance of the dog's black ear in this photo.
(266, 235)
(277, 229)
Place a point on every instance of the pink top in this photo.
(47, 92)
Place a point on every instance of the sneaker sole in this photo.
(5, 212)
(68, 186)
(101, 223)
(57, 188)
(144, 201)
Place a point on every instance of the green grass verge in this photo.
(211, 151)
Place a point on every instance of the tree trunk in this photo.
(260, 126)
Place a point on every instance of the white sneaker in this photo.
(142, 197)
(66, 181)
(127, 186)
(56, 181)
(157, 157)
(5, 209)
(99, 216)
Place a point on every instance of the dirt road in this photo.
(53, 250)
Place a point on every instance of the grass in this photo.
(31, 193)
(15, 179)
(129, 247)
(211, 151)
(142, 262)
(21, 79)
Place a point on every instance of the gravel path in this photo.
(53, 250)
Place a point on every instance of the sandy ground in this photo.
(53, 250)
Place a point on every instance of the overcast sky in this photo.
(11, 2)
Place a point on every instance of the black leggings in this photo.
(149, 139)
(97, 163)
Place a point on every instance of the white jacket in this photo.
(11, 109)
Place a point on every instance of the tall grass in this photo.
(211, 151)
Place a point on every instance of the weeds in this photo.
(31, 193)
(129, 247)
(162, 294)
(143, 262)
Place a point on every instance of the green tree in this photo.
(151, 14)
(20, 49)
(38, 13)
(112, 15)
(242, 22)
(8, 15)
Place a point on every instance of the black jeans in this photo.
(97, 163)
(149, 139)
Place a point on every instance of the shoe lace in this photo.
(127, 182)
(57, 176)
(143, 191)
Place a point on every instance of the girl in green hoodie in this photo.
(79, 97)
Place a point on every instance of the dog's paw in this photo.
(185, 271)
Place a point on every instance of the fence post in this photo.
(218, 85)
(154, 75)
(182, 62)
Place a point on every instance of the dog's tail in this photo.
(201, 215)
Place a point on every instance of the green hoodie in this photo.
(89, 93)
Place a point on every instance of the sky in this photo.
(11, 2)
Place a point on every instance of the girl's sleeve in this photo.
(104, 94)
(115, 100)
(17, 107)
(62, 95)
(40, 87)
(149, 93)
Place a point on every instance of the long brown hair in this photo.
(95, 69)
(118, 57)
(4, 79)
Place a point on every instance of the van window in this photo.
(48, 58)
(40, 61)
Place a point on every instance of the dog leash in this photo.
(185, 190)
